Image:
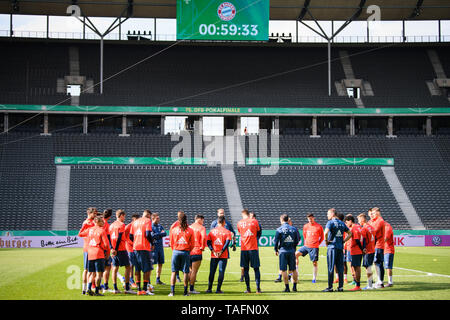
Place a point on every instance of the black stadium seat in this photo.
(27, 180)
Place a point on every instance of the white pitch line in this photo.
(427, 273)
(321, 275)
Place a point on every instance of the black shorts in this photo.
(96, 265)
(368, 260)
(121, 259)
(196, 257)
(287, 261)
(250, 257)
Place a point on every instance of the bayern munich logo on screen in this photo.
(226, 11)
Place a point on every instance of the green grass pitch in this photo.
(419, 273)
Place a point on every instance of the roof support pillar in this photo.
(117, 23)
(163, 122)
(321, 32)
(314, 127)
(404, 30)
(85, 124)
(45, 133)
(276, 125)
(124, 126)
(5, 122)
(390, 127)
(48, 26)
(439, 31)
(429, 128)
(352, 126)
(368, 32)
(11, 32)
(101, 65)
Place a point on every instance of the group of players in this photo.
(139, 245)
(370, 242)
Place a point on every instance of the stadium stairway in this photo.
(402, 198)
(349, 74)
(61, 200)
(232, 193)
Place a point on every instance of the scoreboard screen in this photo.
(223, 20)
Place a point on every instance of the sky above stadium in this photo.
(166, 28)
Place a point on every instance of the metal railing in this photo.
(172, 37)
(80, 35)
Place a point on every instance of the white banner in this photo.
(409, 241)
(76, 242)
(41, 242)
(404, 241)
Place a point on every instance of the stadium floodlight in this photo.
(321, 32)
(116, 23)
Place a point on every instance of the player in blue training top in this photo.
(158, 233)
(334, 239)
(286, 240)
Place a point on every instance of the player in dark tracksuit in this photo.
(334, 240)
(286, 240)
(158, 234)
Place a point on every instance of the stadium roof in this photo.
(279, 9)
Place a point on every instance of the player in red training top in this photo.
(250, 231)
(196, 253)
(389, 251)
(140, 234)
(219, 239)
(107, 213)
(129, 247)
(357, 249)
(377, 223)
(369, 234)
(88, 223)
(119, 252)
(182, 242)
(313, 237)
(97, 245)
(252, 215)
(176, 224)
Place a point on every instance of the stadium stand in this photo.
(27, 179)
(398, 77)
(162, 189)
(297, 190)
(113, 145)
(421, 163)
(443, 54)
(185, 72)
(425, 175)
(31, 78)
(27, 182)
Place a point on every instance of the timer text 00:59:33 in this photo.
(228, 30)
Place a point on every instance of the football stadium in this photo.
(258, 150)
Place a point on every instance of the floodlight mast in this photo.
(117, 23)
(323, 34)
